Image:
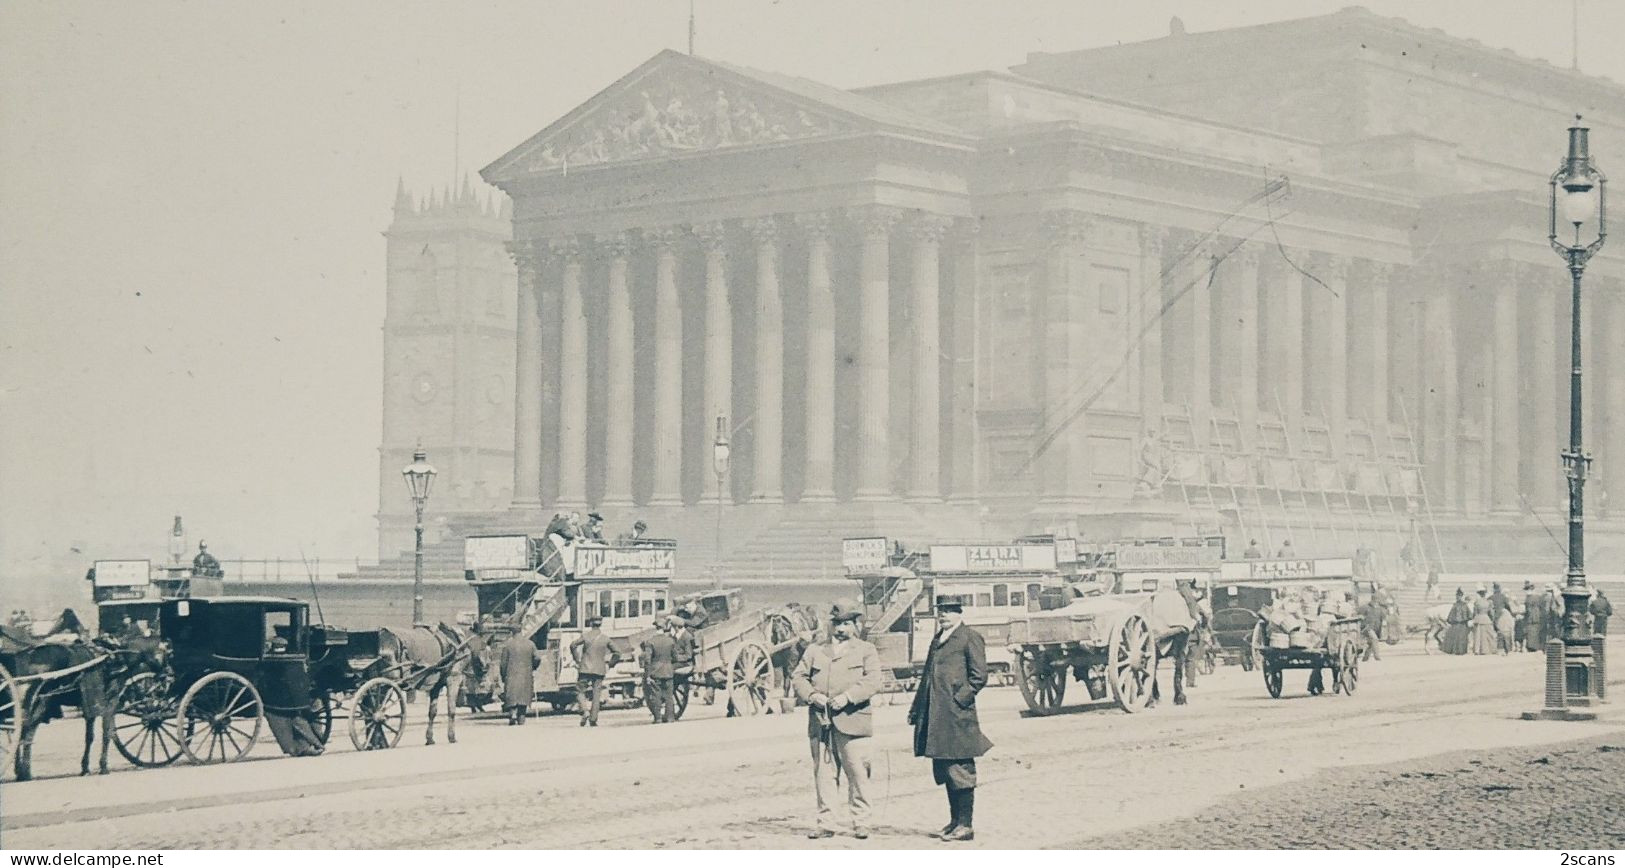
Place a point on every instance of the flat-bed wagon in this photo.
(1336, 646)
(742, 654)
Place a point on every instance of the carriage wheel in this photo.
(1133, 664)
(1042, 684)
(324, 719)
(679, 694)
(11, 718)
(377, 715)
(750, 680)
(1351, 668)
(144, 721)
(1272, 681)
(220, 718)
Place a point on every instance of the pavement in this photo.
(1229, 769)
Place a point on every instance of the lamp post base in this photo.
(1568, 714)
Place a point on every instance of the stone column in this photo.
(713, 239)
(874, 361)
(1440, 391)
(1538, 360)
(573, 382)
(1064, 232)
(1152, 241)
(1611, 450)
(927, 231)
(768, 419)
(1327, 344)
(820, 389)
(962, 349)
(668, 421)
(618, 457)
(1372, 368)
(1505, 408)
(527, 380)
(1284, 388)
(1201, 279)
(1238, 335)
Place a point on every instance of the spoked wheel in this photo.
(680, 688)
(144, 721)
(750, 679)
(1351, 668)
(11, 718)
(1042, 684)
(324, 719)
(1272, 681)
(1133, 664)
(220, 718)
(377, 715)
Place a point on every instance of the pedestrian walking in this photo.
(1534, 618)
(837, 679)
(518, 663)
(657, 657)
(943, 715)
(1601, 611)
(1433, 585)
(593, 656)
(1372, 615)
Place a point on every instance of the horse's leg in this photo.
(108, 709)
(1181, 661)
(454, 686)
(434, 695)
(90, 738)
(1156, 663)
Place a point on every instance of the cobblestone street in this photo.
(1317, 771)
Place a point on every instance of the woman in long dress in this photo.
(1455, 631)
(1483, 625)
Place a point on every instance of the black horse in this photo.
(83, 674)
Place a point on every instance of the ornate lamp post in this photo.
(1577, 200)
(719, 462)
(419, 478)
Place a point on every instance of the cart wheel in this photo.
(324, 719)
(679, 695)
(11, 718)
(377, 715)
(750, 679)
(144, 721)
(1272, 681)
(220, 718)
(1043, 685)
(1133, 664)
(1351, 668)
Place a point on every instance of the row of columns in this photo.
(875, 226)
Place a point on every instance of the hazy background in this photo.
(192, 196)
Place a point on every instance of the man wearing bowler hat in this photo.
(593, 656)
(837, 680)
(943, 715)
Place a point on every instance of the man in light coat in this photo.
(836, 680)
(943, 715)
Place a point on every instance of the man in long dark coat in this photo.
(518, 677)
(657, 656)
(943, 715)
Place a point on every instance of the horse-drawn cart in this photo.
(739, 653)
(1336, 647)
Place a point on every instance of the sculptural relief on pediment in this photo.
(675, 114)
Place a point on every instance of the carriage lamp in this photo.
(419, 477)
(720, 451)
(1578, 200)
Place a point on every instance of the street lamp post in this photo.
(719, 462)
(419, 477)
(1578, 198)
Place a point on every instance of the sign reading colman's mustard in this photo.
(1168, 557)
(992, 558)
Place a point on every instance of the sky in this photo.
(192, 196)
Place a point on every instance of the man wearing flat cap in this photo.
(943, 715)
(837, 679)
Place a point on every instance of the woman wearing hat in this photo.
(943, 715)
(1455, 634)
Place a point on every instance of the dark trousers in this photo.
(661, 700)
(955, 774)
(589, 696)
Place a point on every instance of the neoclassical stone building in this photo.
(1290, 281)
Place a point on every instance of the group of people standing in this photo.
(1490, 622)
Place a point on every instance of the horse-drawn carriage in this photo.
(1335, 645)
(998, 582)
(1142, 606)
(745, 655)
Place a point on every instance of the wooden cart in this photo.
(1339, 650)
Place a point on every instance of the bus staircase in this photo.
(898, 603)
(547, 603)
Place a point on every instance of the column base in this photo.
(617, 503)
(569, 503)
(924, 497)
(872, 495)
(666, 500)
(819, 496)
(962, 500)
(767, 497)
(528, 505)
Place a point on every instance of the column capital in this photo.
(1381, 274)
(662, 237)
(527, 255)
(966, 229)
(712, 235)
(1247, 255)
(615, 245)
(762, 230)
(1329, 266)
(874, 222)
(567, 249)
(1153, 239)
(815, 224)
(1066, 226)
(928, 227)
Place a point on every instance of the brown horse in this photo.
(94, 673)
(440, 660)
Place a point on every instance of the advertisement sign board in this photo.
(488, 555)
(1288, 569)
(631, 562)
(123, 574)
(992, 558)
(1168, 557)
(863, 556)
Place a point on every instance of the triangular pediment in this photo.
(676, 104)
